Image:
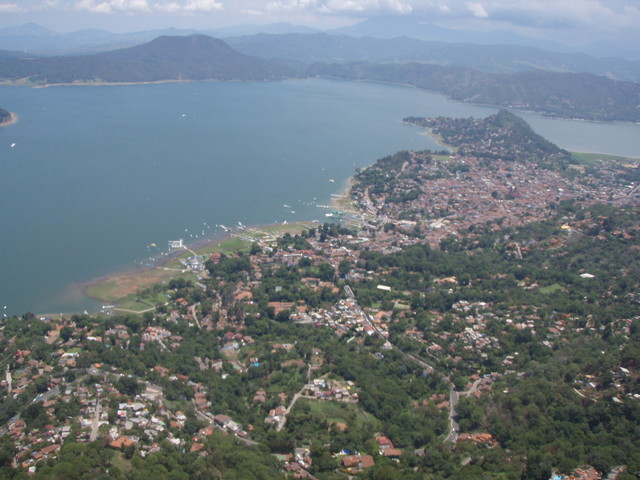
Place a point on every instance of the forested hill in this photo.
(565, 95)
(197, 57)
(5, 116)
(501, 136)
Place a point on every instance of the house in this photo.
(121, 442)
(359, 462)
(384, 443)
(222, 419)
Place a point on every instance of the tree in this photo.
(344, 267)
(127, 385)
(325, 272)
(66, 333)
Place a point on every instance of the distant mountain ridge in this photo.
(380, 40)
(197, 57)
(322, 47)
(566, 95)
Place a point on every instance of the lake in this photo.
(99, 173)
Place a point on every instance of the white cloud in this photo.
(341, 6)
(112, 6)
(252, 12)
(596, 14)
(170, 7)
(477, 9)
(10, 8)
(203, 6)
(139, 6)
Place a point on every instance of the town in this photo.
(396, 342)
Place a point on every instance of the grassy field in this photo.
(123, 289)
(337, 412)
(117, 287)
(550, 289)
(121, 463)
(590, 158)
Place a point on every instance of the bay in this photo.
(99, 173)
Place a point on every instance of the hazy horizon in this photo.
(567, 22)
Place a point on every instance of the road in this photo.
(454, 396)
(96, 423)
(283, 420)
(206, 418)
(192, 311)
(454, 428)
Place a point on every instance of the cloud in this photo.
(252, 12)
(170, 7)
(11, 8)
(546, 14)
(113, 6)
(140, 6)
(595, 14)
(330, 7)
(477, 9)
(203, 6)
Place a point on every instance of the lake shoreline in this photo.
(13, 118)
(202, 247)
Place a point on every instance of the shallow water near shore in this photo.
(98, 174)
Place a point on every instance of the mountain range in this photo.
(200, 57)
(375, 40)
(322, 47)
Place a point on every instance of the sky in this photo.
(593, 19)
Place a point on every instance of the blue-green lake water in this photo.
(91, 176)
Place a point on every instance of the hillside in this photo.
(566, 95)
(196, 57)
(500, 136)
(200, 57)
(322, 47)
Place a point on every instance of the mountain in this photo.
(278, 28)
(32, 38)
(566, 95)
(422, 29)
(28, 29)
(624, 45)
(196, 57)
(322, 47)
(478, 138)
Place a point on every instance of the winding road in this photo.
(454, 396)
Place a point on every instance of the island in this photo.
(6, 117)
(472, 314)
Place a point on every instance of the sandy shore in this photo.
(13, 118)
(119, 285)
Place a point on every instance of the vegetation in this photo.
(197, 57)
(565, 95)
(5, 115)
